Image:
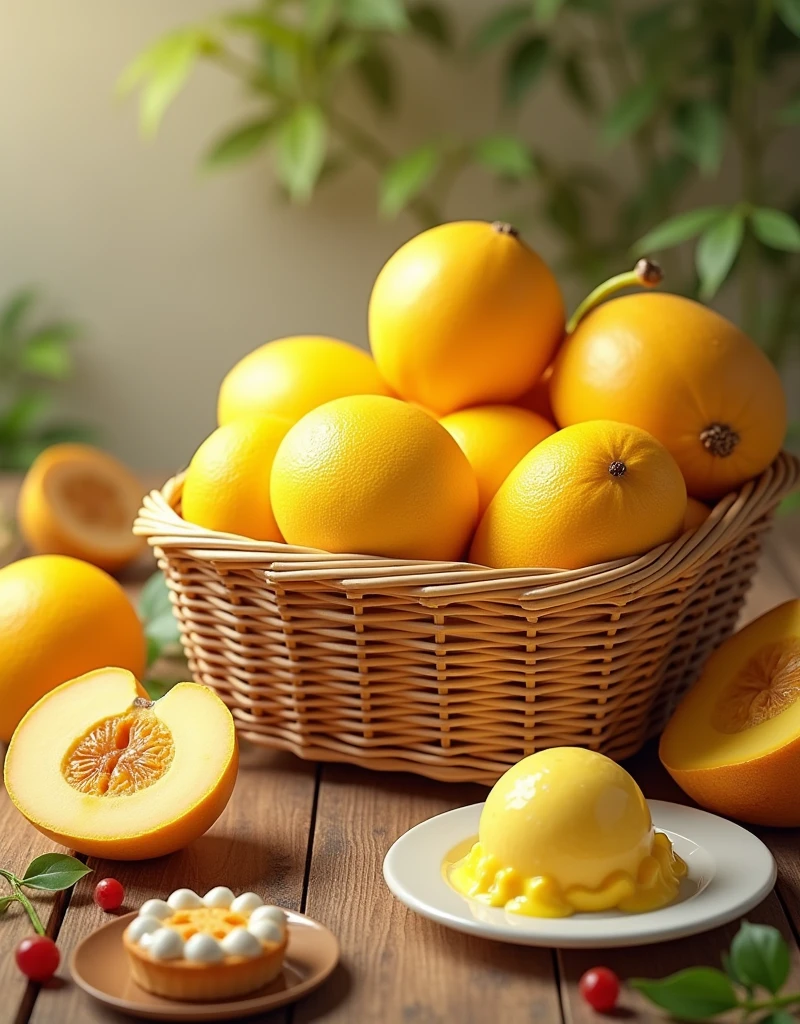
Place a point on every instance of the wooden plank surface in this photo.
(258, 844)
(397, 966)
(315, 840)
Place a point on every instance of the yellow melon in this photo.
(734, 742)
(97, 766)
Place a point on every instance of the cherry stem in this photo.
(19, 896)
(646, 274)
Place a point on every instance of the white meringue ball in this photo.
(246, 903)
(142, 925)
(155, 908)
(165, 944)
(240, 942)
(275, 914)
(184, 899)
(266, 930)
(203, 948)
(220, 896)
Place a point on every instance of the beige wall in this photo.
(177, 275)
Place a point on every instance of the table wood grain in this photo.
(313, 838)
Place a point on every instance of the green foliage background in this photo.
(681, 83)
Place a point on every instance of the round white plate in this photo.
(730, 871)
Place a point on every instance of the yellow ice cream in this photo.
(564, 831)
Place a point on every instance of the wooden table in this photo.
(313, 838)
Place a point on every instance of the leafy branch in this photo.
(51, 872)
(33, 358)
(755, 972)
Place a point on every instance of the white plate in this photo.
(730, 871)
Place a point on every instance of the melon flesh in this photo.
(97, 766)
(734, 742)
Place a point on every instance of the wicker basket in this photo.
(446, 669)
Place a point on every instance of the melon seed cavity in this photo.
(121, 754)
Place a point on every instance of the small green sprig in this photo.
(755, 971)
(51, 872)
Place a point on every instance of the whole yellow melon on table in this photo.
(733, 744)
(590, 493)
(464, 314)
(60, 617)
(80, 501)
(376, 476)
(685, 374)
(226, 486)
(494, 438)
(99, 767)
(291, 376)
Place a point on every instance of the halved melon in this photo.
(97, 766)
(80, 501)
(734, 742)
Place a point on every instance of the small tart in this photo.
(199, 949)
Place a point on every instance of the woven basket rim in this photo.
(160, 523)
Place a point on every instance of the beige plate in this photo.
(100, 966)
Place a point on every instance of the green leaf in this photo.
(546, 10)
(694, 994)
(647, 28)
(240, 143)
(525, 64)
(383, 15)
(431, 22)
(163, 631)
(678, 229)
(760, 957)
(789, 13)
(54, 871)
(700, 133)
(300, 144)
(265, 28)
(407, 177)
(574, 78)
(26, 409)
(157, 688)
(779, 1017)
(154, 600)
(716, 251)
(162, 71)
(504, 155)
(630, 113)
(13, 312)
(730, 970)
(776, 229)
(320, 16)
(377, 75)
(790, 113)
(153, 650)
(500, 25)
(46, 353)
(57, 433)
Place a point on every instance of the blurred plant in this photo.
(681, 83)
(166, 664)
(32, 359)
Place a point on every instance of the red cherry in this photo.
(600, 988)
(109, 894)
(38, 957)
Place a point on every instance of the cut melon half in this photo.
(77, 500)
(97, 766)
(734, 742)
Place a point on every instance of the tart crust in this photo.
(188, 981)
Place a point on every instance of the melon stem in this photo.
(646, 274)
